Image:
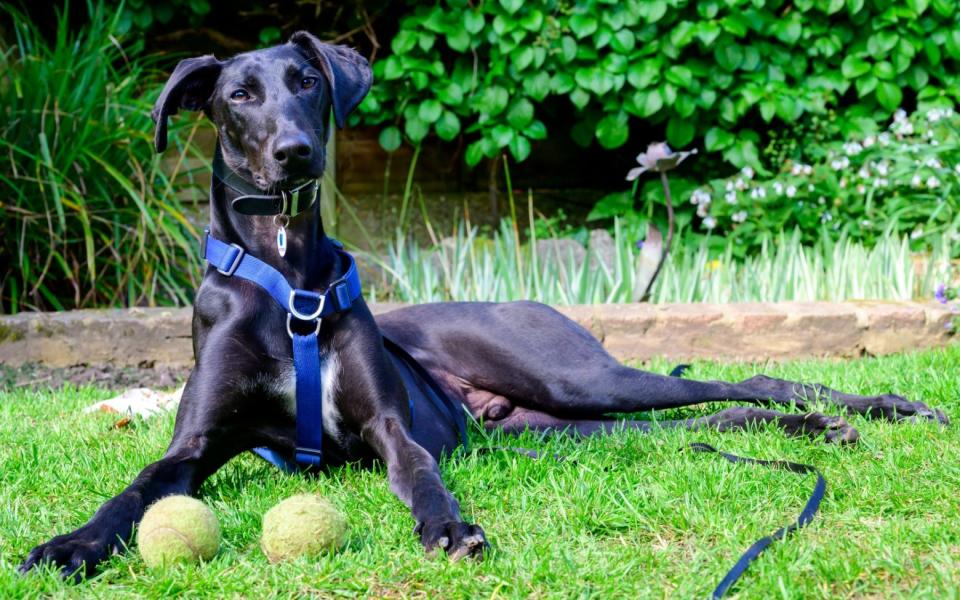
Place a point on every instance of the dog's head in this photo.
(270, 106)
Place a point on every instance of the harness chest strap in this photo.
(231, 260)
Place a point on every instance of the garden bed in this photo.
(160, 337)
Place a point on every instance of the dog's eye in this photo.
(308, 82)
(239, 95)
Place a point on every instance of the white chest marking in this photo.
(330, 385)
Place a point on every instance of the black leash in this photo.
(751, 554)
(806, 515)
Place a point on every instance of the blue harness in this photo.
(231, 260)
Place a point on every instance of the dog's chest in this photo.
(330, 372)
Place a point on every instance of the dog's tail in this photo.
(679, 370)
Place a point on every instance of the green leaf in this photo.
(494, 100)
(623, 41)
(612, 130)
(416, 129)
(579, 98)
(511, 6)
(881, 43)
(680, 132)
(883, 70)
(520, 148)
(648, 102)
(854, 66)
(655, 10)
(520, 114)
(786, 107)
(889, 95)
(448, 126)
(642, 74)
(953, 43)
(430, 111)
(728, 55)
(583, 25)
(392, 68)
(918, 6)
(568, 46)
(501, 135)
(458, 39)
(536, 131)
(451, 94)
(680, 75)
(538, 86)
(390, 138)
(522, 57)
(612, 205)
(473, 21)
(403, 42)
(532, 21)
(866, 84)
(474, 153)
(718, 139)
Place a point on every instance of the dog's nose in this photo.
(292, 149)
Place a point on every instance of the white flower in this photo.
(928, 134)
(864, 172)
(900, 115)
(916, 234)
(758, 192)
(917, 181)
(934, 115)
(852, 148)
(884, 139)
(747, 172)
(729, 186)
(703, 209)
(843, 182)
(797, 169)
(861, 189)
(866, 223)
(700, 196)
(709, 222)
(825, 217)
(740, 184)
(791, 191)
(778, 188)
(730, 197)
(807, 169)
(841, 163)
(821, 200)
(883, 168)
(869, 141)
(882, 182)
(934, 163)
(957, 168)
(739, 217)
(933, 182)
(810, 187)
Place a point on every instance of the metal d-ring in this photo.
(290, 330)
(293, 309)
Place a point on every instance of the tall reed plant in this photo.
(466, 266)
(89, 217)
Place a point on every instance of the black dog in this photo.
(514, 366)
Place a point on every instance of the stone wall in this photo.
(748, 331)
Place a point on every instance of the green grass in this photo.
(631, 517)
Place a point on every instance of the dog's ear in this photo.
(189, 87)
(347, 72)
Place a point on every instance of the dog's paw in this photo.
(74, 554)
(458, 540)
(835, 430)
(898, 408)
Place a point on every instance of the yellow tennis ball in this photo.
(302, 525)
(178, 529)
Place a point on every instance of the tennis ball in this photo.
(178, 529)
(304, 524)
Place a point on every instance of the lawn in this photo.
(630, 517)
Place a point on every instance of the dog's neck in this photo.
(311, 261)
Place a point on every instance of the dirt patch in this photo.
(33, 375)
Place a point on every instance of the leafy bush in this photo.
(905, 178)
(708, 68)
(89, 217)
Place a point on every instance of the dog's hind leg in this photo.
(813, 425)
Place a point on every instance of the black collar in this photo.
(253, 201)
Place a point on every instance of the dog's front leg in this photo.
(198, 449)
(415, 479)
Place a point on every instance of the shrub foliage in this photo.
(713, 68)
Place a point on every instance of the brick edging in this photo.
(746, 331)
